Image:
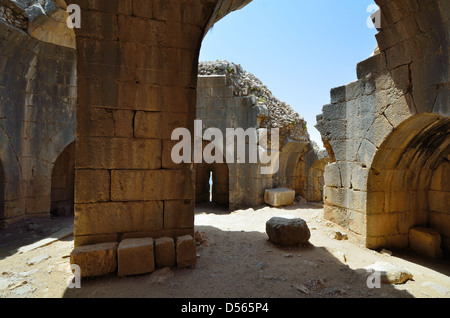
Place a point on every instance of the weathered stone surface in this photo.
(92, 186)
(38, 259)
(140, 185)
(136, 256)
(186, 251)
(118, 217)
(252, 106)
(279, 197)
(147, 125)
(95, 260)
(425, 241)
(118, 153)
(408, 76)
(389, 274)
(165, 255)
(378, 125)
(287, 232)
(38, 98)
(203, 239)
(274, 113)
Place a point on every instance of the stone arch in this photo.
(62, 182)
(406, 82)
(301, 169)
(315, 177)
(405, 186)
(292, 170)
(116, 78)
(38, 95)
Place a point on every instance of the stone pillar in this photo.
(137, 77)
(137, 73)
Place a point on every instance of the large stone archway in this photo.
(406, 186)
(37, 115)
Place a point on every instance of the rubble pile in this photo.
(280, 115)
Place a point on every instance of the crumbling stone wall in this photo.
(217, 107)
(137, 64)
(10, 15)
(373, 124)
(37, 119)
(222, 105)
(45, 20)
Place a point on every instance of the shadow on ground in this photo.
(30, 231)
(244, 265)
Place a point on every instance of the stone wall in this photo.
(137, 77)
(12, 16)
(400, 193)
(397, 109)
(217, 107)
(302, 167)
(37, 119)
(301, 164)
(438, 198)
(63, 180)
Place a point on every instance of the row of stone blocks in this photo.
(134, 256)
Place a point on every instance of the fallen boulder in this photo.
(287, 232)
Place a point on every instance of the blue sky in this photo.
(299, 49)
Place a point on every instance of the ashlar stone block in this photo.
(425, 241)
(186, 251)
(165, 255)
(136, 256)
(279, 197)
(95, 260)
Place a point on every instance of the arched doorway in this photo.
(407, 185)
(63, 178)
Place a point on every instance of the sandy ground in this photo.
(240, 262)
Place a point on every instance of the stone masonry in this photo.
(137, 66)
(38, 91)
(229, 97)
(388, 132)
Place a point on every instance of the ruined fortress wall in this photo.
(37, 119)
(388, 134)
(217, 107)
(302, 168)
(301, 165)
(137, 64)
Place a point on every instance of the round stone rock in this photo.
(288, 232)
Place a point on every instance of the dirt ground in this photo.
(239, 262)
